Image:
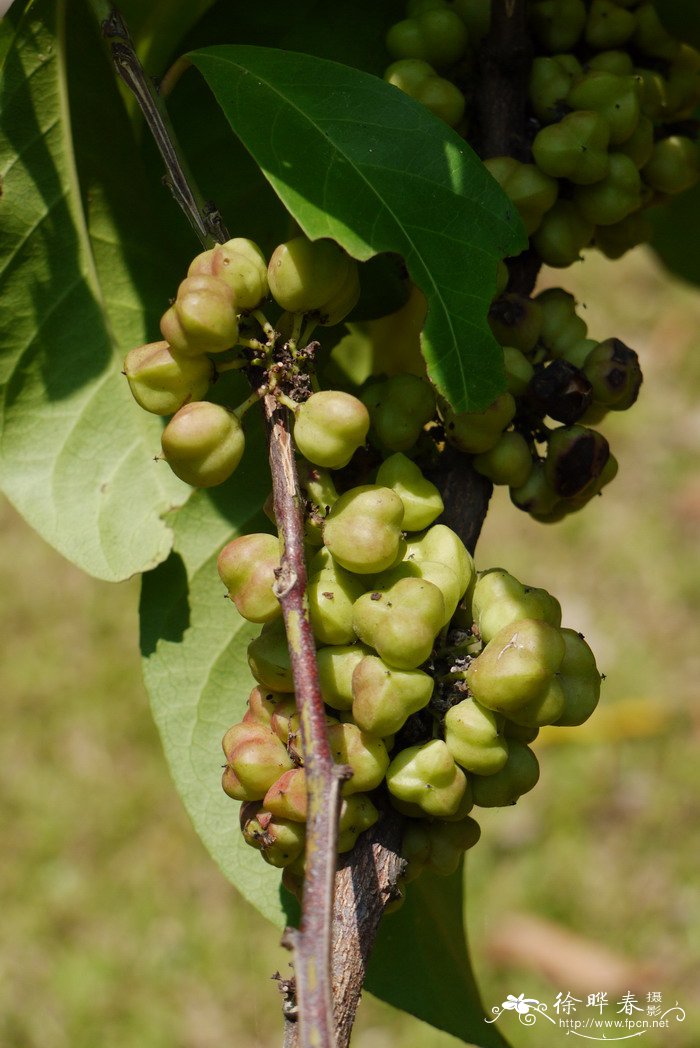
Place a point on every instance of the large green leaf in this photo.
(83, 266)
(420, 962)
(355, 159)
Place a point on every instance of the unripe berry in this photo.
(516, 320)
(499, 600)
(401, 622)
(509, 461)
(303, 275)
(160, 382)
(476, 15)
(448, 843)
(441, 575)
(415, 848)
(575, 458)
(563, 235)
(203, 444)
(268, 658)
(399, 408)
(336, 666)
(329, 428)
(616, 240)
(561, 326)
(613, 197)
(287, 797)
(364, 753)
(640, 145)
(608, 25)
(548, 87)
(422, 501)
(357, 814)
(618, 62)
(384, 698)
(674, 165)
(363, 529)
(650, 35)
(519, 774)
(257, 757)
(442, 544)
(408, 74)
(331, 593)
(279, 841)
(529, 189)
(262, 706)
(615, 375)
(683, 83)
(442, 98)
(476, 432)
(519, 370)
(473, 737)
(614, 97)
(580, 680)
(558, 24)
(536, 496)
(437, 36)
(339, 305)
(202, 318)
(545, 708)
(241, 264)
(427, 776)
(247, 566)
(516, 666)
(575, 148)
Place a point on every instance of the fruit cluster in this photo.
(611, 99)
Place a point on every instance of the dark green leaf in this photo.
(82, 266)
(355, 159)
(421, 963)
(682, 18)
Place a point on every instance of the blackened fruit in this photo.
(614, 373)
(203, 444)
(561, 391)
(516, 320)
(576, 457)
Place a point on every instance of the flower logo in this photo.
(520, 1004)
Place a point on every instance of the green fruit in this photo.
(303, 275)
(579, 679)
(575, 459)
(473, 737)
(558, 24)
(608, 25)
(546, 708)
(519, 732)
(415, 848)
(650, 36)
(160, 382)
(683, 82)
(247, 567)
(561, 326)
(408, 74)
(640, 145)
(575, 148)
(357, 814)
(268, 658)
(241, 264)
(616, 240)
(279, 841)
(329, 428)
(422, 501)
(442, 98)
(519, 370)
(563, 235)
(203, 444)
(614, 97)
(476, 432)
(516, 320)
(516, 666)
(437, 36)
(674, 165)
(202, 318)
(384, 698)
(509, 461)
(363, 529)
(618, 62)
(336, 308)
(653, 97)
(287, 797)
(613, 370)
(519, 775)
(499, 600)
(427, 776)
(257, 757)
(331, 593)
(528, 188)
(336, 666)
(613, 197)
(364, 753)
(536, 496)
(476, 15)
(442, 544)
(548, 87)
(262, 706)
(284, 717)
(578, 353)
(442, 576)
(401, 622)
(448, 843)
(399, 408)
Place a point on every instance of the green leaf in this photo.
(194, 661)
(676, 236)
(81, 260)
(355, 159)
(420, 962)
(681, 18)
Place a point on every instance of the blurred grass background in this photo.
(118, 930)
